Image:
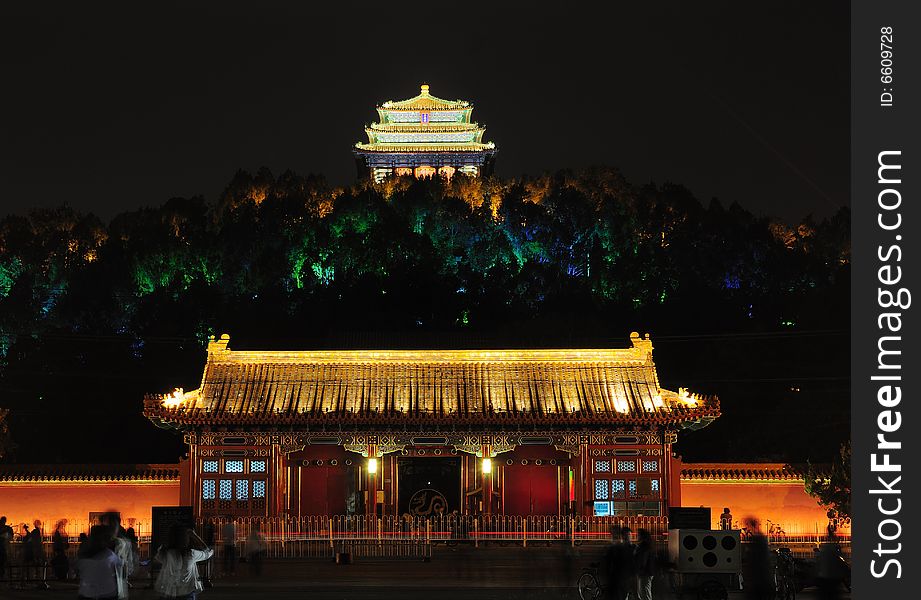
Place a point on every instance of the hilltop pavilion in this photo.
(424, 136)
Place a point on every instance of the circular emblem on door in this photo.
(427, 502)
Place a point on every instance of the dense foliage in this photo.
(93, 314)
(832, 486)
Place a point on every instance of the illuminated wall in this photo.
(757, 491)
(25, 501)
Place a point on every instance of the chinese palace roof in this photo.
(433, 387)
(425, 123)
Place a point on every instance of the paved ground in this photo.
(483, 574)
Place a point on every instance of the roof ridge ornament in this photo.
(641, 343)
(424, 90)
(218, 346)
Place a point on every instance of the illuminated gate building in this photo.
(424, 136)
(516, 432)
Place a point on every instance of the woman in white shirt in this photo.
(178, 578)
(97, 567)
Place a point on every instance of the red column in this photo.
(487, 481)
(371, 501)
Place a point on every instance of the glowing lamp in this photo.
(372, 465)
(487, 466)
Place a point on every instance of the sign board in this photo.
(164, 517)
(689, 517)
(602, 509)
(96, 517)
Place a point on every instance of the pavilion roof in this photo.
(424, 128)
(425, 101)
(427, 147)
(63, 473)
(398, 388)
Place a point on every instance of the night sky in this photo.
(109, 110)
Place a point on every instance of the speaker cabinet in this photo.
(705, 550)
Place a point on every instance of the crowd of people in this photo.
(108, 555)
(631, 567)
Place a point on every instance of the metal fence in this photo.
(393, 536)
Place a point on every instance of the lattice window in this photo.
(650, 466)
(258, 488)
(602, 466)
(233, 466)
(207, 489)
(601, 489)
(633, 488)
(257, 466)
(209, 466)
(617, 488)
(655, 485)
(242, 489)
(226, 489)
(626, 466)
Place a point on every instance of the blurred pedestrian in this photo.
(619, 564)
(644, 564)
(59, 544)
(28, 551)
(37, 542)
(178, 577)
(122, 549)
(255, 550)
(208, 537)
(6, 536)
(757, 578)
(229, 539)
(830, 569)
(97, 567)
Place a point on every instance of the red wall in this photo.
(23, 502)
(783, 502)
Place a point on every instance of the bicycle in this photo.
(775, 529)
(589, 585)
(784, 575)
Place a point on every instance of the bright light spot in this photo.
(686, 398)
(487, 466)
(173, 400)
(372, 465)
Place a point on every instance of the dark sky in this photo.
(113, 108)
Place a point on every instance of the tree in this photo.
(6, 440)
(832, 489)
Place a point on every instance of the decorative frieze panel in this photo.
(248, 452)
(388, 441)
(633, 451)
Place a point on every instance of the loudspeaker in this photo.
(705, 550)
